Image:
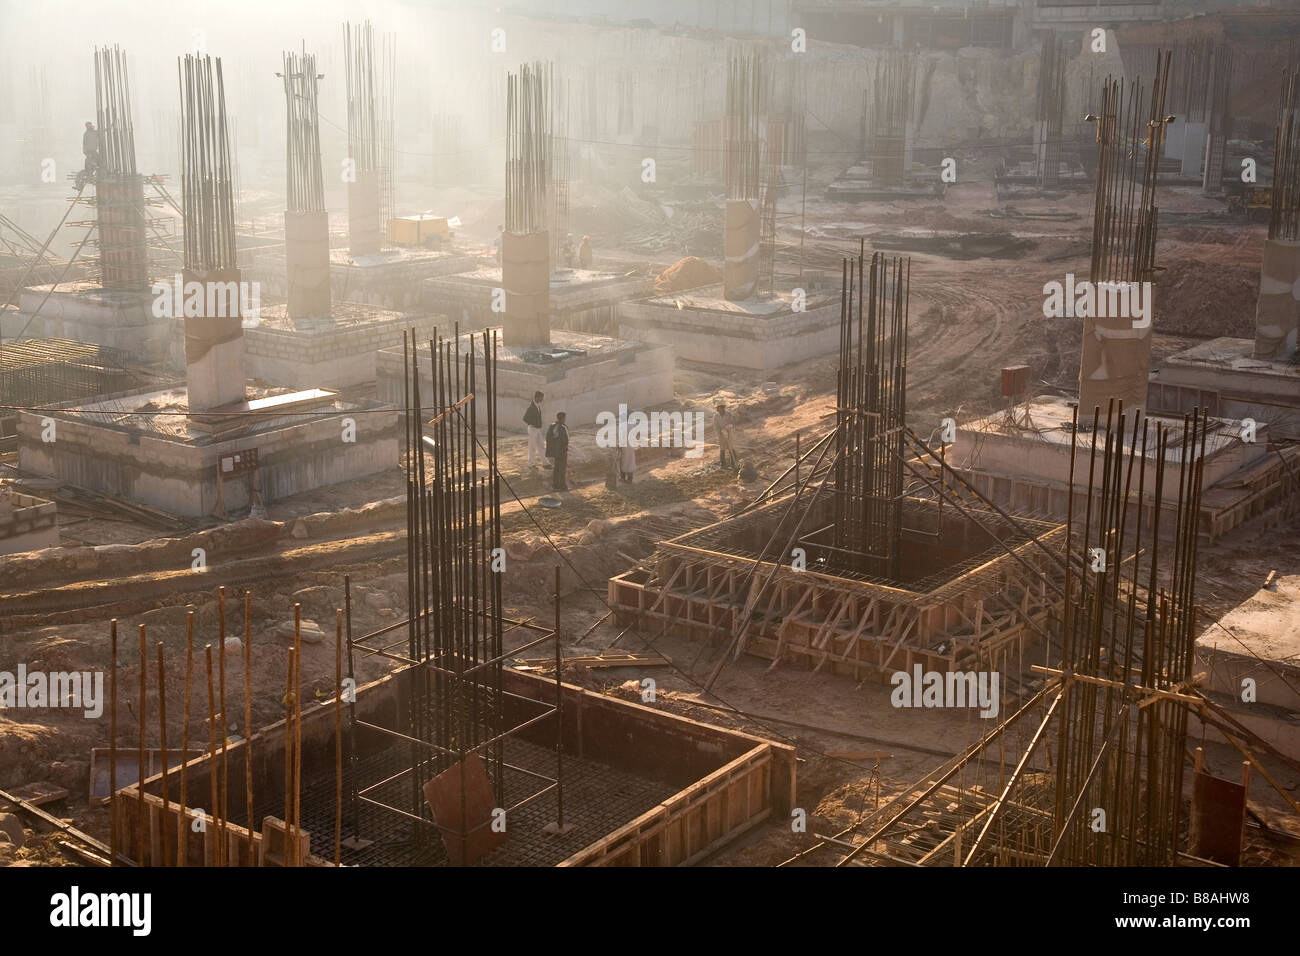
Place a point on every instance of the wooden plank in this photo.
(698, 807)
(31, 808)
(603, 660)
(39, 794)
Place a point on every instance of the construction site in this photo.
(792, 434)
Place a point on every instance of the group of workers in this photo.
(567, 251)
(549, 448)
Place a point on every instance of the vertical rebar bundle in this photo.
(119, 189)
(453, 503)
(304, 184)
(371, 86)
(558, 225)
(365, 96)
(1219, 119)
(893, 92)
(528, 148)
(1129, 144)
(742, 144)
(206, 168)
(786, 129)
(113, 113)
(1128, 626)
(1191, 80)
(863, 456)
(1051, 107)
(871, 404)
(1284, 213)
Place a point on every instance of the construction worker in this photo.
(496, 246)
(557, 449)
(627, 453)
(584, 253)
(567, 250)
(533, 419)
(90, 147)
(725, 427)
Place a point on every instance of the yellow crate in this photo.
(414, 230)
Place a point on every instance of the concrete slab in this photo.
(1026, 468)
(1255, 652)
(612, 372)
(1223, 375)
(142, 447)
(388, 279)
(333, 351)
(761, 332)
(582, 300)
(85, 312)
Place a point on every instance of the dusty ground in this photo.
(968, 319)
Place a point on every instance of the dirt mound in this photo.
(688, 273)
(1194, 297)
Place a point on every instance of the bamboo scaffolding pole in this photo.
(338, 738)
(213, 822)
(113, 822)
(223, 845)
(288, 760)
(248, 721)
(183, 822)
(141, 765)
(162, 745)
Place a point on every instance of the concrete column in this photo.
(1175, 136)
(214, 341)
(1193, 149)
(889, 159)
(909, 137)
(1115, 363)
(1047, 149)
(526, 277)
(740, 246)
(307, 262)
(365, 231)
(1278, 310)
(1212, 174)
(123, 256)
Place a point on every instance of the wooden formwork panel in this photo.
(694, 822)
(165, 828)
(857, 630)
(756, 779)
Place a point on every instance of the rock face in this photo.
(12, 829)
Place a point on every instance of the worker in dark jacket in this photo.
(90, 148)
(557, 449)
